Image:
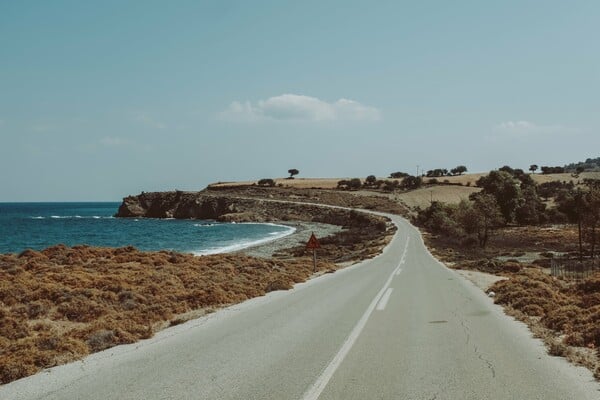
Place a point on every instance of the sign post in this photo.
(313, 244)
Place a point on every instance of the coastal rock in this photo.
(178, 204)
(240, 217)
(361, 237)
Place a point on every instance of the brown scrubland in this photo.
(60, 304)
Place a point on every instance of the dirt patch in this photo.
(481, 279)
(510, 243)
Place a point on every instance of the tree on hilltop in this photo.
(293, 172)
(370, 181)
(461, 169)
(412, 182)
(533, 168)
(398, 175)
(354, 183)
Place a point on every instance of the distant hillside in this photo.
(591, 164)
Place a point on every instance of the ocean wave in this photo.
(74, 217)
(204, 225)
(248, 243)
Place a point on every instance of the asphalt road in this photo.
(400, 326)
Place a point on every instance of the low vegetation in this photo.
(569, 312)
(62, 303)
(510, 196)
(266, 182)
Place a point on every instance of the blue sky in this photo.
(101, 100)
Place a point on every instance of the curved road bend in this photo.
(399, 326)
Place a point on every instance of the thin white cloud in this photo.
(525, 128)
(148, 121)
(294, 107)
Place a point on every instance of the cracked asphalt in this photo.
(400, 326)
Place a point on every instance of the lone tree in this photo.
(398, 175)
(293, 172)
(481, 217)
(533, 168)
(461, 169)
(370, 181)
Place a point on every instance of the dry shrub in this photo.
(590, 300)
(26, 356)
(534, 310)
(101, 339)
(80, 310)
(573, 310)
(13, 328)
(530, 287)
(590, 286)
(62, 303)
(278, 284)
(557, 349)
(563, 318)
(37, 309)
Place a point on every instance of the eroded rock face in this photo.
(176, 205)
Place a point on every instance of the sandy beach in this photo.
(298, 238)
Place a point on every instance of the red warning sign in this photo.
(313, 243)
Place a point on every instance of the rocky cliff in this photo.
(364, 234)
(224, 207)
(177, 205)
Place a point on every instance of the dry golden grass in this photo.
(567, 312)
(62, 303)
(465, 180)
(299, 183)
(540, 178)
(447, 194)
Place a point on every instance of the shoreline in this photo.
(297, 238)
(241, 245)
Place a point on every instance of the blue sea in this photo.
(40, 225)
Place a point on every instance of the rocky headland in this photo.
(363, 235)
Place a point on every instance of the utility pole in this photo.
(578, 198)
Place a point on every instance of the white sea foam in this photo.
(75, 217)
(244, 244)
